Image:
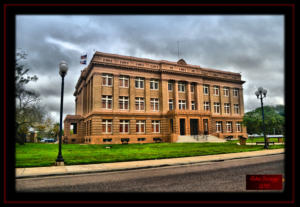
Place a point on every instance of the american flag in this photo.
(83, 62)
(83, 59)
(83, 56)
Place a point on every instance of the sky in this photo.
(252, 45)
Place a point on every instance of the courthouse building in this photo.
(137, 100)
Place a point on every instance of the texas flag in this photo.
(83, 59)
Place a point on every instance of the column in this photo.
(147, 94)
(221, 92)
(164, 95)
(115, 92)
(96, 92)
(231, 101)
(188, 91)
(132, 94)
(175, 90)
(199, 96)
(211, 99)
(241, 101)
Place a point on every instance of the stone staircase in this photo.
(198, 138)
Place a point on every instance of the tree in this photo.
(28, 110)
(274, 120)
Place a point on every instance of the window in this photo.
(206, 106)
(193, 105)
(182, 104)
(226, 108)
(181, 86)
(140, 126)
(170, 86)
(218, 126)
(229, 126)
(124, 81)
(156, 126)
(107, 140)
(235, 92)
(216, 91)
(154, 104)
(154, 84)
(139, 82)
(192, 87)
(217, 108)
(141, 139)
(238, 127)
(171, 104)
(106, 126)
(236, 109)
(123, 102)
(226, 91)
(107, 102)
(107, 79)
(139, 104)
(124, 126)
(205, 90)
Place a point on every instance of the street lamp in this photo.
(260, 94)
(63, 68)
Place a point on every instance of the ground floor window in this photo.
(140, 126)
(156, 126)
(218, 126)
(229, 126)
(106, 126)
(238, 127)
(124, 126)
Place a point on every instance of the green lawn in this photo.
(41, 154)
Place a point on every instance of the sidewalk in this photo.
(107, 167)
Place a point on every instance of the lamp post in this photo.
(260, 94)
(63, 68)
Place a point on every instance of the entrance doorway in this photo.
(182, 126)
(194, 126)
(205, 125)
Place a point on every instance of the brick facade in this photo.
(112, 81)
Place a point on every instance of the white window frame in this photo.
(139, 101)
(181, 86)
(124, 123)
(226, 91)
(226, 108)
(205, 89)
(138, 82)
(217, 108)
(140, 124)
(218, 126)
(192, 88)
(107, 122)
(122, 102)
(193, 105)
(182, 104)
(107, 99)
(206, 106)
(229, 126)
(236, 92)
(154, 123)
(236, 108)
(238, 127)
(154, 84)
(155, 103)
(107, 77)
(170, 86)
(216, 90)
(123, 79)
(171, 103)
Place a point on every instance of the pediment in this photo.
(181, 62)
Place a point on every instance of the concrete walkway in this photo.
(106, 167)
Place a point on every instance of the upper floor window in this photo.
(170, 86)
(140, 126)
(216, 91)
(181, 86)
(107, 79)
(154, 104)
(106, 102)
(218, 126)
(139, 104)
(205, 90)
(192, 87)
(123, 102)
(226, 108)
(139, 82)
(154, 84)
(171, 104)
(235, 92)
(206, 106)
(193, 105)
(156, 126)
(182, 104)
(229, 126)
(124, 81)
(236, 109)
(124, 126)
(217, 108)
(106, 126)
(226, 91)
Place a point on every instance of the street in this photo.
(222, 176)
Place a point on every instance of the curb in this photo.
(141, 167)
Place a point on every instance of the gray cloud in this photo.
(250, 44)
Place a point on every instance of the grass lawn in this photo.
(42, 154)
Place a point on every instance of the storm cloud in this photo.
(250, 44)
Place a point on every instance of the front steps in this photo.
(198, 138)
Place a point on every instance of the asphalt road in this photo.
(226, 176)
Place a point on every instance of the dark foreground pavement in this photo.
(226, 176)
